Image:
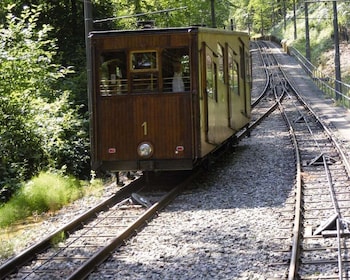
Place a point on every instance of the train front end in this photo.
(142, 102)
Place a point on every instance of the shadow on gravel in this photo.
(228, 217)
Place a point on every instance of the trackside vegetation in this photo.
(40, 126)
(45, 192)
(321, 34)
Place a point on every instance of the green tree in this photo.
(191, 12)
(33, 108)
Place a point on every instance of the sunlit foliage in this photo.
(45, 192)
(39, 129)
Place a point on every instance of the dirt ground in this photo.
(328, 68)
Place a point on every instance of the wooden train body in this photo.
(163, 99)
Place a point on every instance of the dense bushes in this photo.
(40, 127)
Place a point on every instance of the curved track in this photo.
(321, 213)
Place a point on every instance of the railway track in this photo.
(320, 215)
(74, 251)
(302, 248)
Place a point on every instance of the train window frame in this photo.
(146, 69)
(233, 73)
(211, 75)
(242, 63)
(112, 73)
(221, 61)
(145, 79)
(248, 67)
(172, 59)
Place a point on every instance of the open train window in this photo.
(144, 71)
(176, 70)
(248, 68)
(221, 52)
(233, 74)
(112, 73)
(242, 62)
(211, 75)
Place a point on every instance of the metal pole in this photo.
(295, 21)
(284, 15)
(307, 35)
(337, 86)
(88, 28)
(262, 22)
(336, 52)
(213, 19)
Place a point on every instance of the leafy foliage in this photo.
(38, 125)
(174, 13)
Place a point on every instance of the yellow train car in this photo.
(164, 99)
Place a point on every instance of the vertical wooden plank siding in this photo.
(122, 119)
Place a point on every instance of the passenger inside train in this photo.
(178, 83)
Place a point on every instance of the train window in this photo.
(144, 61)
(176, 70)
(112, 73)
(248, 69)
(211, 77)
(144, 71)
(242, 62)
(233, 74)
(221, 51)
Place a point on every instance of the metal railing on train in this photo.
(325, 83)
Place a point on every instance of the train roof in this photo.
(192, 29)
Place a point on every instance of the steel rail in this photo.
(246, 131)
(297, 234)
(294, 259)
(264, 90)
(29, 254)
(100, 256)
(251, 126)
(336, 210)
(296, 240)
(293, 266)
(327, 130)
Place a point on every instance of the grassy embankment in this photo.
(39, 198)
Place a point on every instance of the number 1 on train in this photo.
(144, 125)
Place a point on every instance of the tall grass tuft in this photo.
(46, 192)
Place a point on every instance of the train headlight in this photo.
(145, 150)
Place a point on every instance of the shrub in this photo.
(46, 192)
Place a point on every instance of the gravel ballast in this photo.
(224, 226)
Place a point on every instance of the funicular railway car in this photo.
(163, 99)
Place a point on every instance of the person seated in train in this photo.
(178, 83)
